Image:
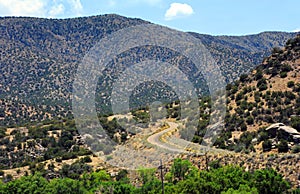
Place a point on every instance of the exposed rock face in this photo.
(272, 129)
(284, 132)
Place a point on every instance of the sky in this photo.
(215, 17)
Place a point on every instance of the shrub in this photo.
(2, 132)
(283, 74)
(8, 178)
(258, 74)
(269, 181)
(286, 68)
(58, 159)
(239, 96)
(87, 159)
(243, 77)
(276, 50)
(250, 120)
(242, 189)
(283, 146)
(263, 136)
(290, 84)
(243, 127)
(295, 122)
(296, 149)
(215, 164)
(267, 145)
(262, 84)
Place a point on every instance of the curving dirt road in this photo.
(155, 139)
(177, 144)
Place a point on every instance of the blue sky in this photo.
(217, 17)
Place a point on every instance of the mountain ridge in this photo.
(39, 58)
(36, 87)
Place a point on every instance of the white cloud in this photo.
(56, 10)
(177, 10)
(76, 6)
(41, 8)
(22, 8)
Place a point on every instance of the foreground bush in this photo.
(182, 178)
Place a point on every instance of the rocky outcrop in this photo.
(281, 131)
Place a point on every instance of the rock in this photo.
(272, 129)
(296, 139)
(285, 132)
(275, 125)
(289, 130)
(117, 137)
(254, 140)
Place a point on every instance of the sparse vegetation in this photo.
(38, 136)
(263, 105)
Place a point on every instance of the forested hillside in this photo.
(263, 107)
(42, 151)
(39, 58)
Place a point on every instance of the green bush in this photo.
(250, 120)
(283, 146)
(2, 132)
(243, 127)
(243, 189)
(283, 74)
(258, 74)
(267, 145)
(290, 84)
(295, 122)
(296, 149)
(65, 185)
(262, 84)
(219, 179)
(263, 135)
(86, 159)
(269, 181)
(286, 68)
(243, 77)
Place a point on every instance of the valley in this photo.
(246, 139)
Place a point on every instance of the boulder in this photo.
(282, 131)
(272, 129)
(289, 130)
(296, 139)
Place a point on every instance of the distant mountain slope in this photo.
(238, 55)
(39, 58)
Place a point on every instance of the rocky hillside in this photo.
(238, 55)
(270, 94)
(39, 58)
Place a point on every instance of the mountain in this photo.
(39, 58)
(265, 105)
(238, 55)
